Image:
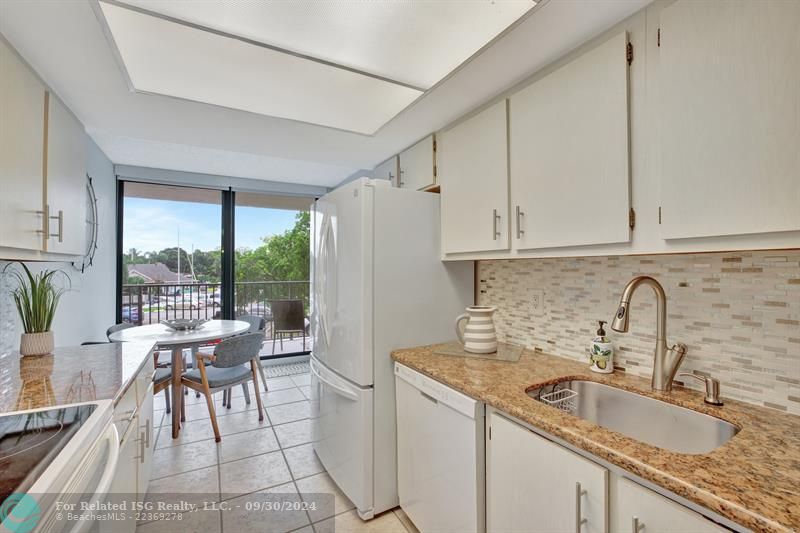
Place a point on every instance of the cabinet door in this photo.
(65, 180)
(417, 165)
(534, 485)
(21, 153)
(147, 443)
(636, 505)
(473, 174)
(387, 171)
(730, 127)
(570, 175)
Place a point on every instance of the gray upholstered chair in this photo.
(118, 327)
(227, 368)
(257, 325)
(288, 318)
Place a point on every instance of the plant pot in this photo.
(36, 343)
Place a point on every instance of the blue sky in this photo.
(152, 225)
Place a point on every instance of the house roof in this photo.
(156, 273)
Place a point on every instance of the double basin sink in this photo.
(639, 417)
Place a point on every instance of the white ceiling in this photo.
(64, 42)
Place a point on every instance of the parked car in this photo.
(130, 314)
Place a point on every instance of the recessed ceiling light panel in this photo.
(168, 58)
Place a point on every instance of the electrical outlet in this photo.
(537, 300)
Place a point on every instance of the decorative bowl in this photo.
(184, 324)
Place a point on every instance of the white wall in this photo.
(88, 308)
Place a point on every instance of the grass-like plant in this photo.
(36, 297)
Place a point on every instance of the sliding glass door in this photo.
(271, 267)
(174, 262)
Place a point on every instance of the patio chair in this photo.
(257, 325)
(227, 368)
(288, 318)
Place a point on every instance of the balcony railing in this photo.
(153, 302)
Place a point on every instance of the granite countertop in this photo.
(753, 479)
(70, 375)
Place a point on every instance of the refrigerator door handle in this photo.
(341, 391)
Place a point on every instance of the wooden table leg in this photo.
(177, 395)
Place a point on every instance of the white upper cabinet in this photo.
(569, 161)
(418, 165)
(730, 117)
(387, 170)
(473, 174)
(65, 180)
(21, 142)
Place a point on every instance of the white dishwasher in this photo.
(440, 455)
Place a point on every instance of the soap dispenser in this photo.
(601, 352)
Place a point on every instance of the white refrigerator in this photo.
(378, 284)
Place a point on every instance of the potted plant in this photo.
(36, 297)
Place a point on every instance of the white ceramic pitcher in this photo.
(478, 335)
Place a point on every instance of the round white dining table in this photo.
(177, 341)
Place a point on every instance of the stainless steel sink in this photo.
(645, 419)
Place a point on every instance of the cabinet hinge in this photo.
(659, 214)
(658, 37)
(629, 53)
(490, 432)
(434, 145)
(434, 171)
(632, 218)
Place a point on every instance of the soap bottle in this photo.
(601, 352)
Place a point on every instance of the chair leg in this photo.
(213, 416)
(281, 341)
(183, 411)
(255, 386)
(304, 341)
(246, 393)
(224, 396)
(262, 373)
(273, 342)
(166, 397)
(228, 405)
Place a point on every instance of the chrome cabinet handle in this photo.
(495, 218)
(520, 231)
(60, 233)
(141, 449)
(147, 430)
(579, 493)
(636, 527)
(45, 222)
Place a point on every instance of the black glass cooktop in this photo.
(30, 441)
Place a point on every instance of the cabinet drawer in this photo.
(144, 379)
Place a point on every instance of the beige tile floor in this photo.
(255, 458)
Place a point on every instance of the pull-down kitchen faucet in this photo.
(666, 360)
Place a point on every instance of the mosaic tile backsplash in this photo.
(738, 313)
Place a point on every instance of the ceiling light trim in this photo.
(254, 42)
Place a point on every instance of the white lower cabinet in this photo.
(133, 416)
(534, 485)
(146, 443)
(640, 510)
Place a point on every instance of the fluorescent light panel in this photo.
(168, 58)
(413, 42)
